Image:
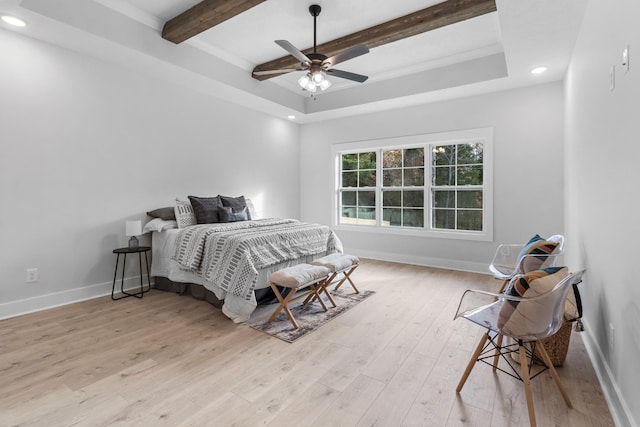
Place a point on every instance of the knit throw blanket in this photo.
(231, 254)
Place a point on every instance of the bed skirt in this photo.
(199, 292)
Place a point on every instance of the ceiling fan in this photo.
(317, 65)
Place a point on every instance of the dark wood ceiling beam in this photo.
(203, 16)
(437, 16)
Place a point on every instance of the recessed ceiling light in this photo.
(291, 117)
(538, 70)
(12, 20)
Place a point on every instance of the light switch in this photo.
(625, 59)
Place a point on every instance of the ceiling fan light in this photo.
(318, 77)
(304, 81)
(325, 84)
(311, 87)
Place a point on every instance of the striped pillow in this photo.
(184, 214)
(535, 253)
(531, 317)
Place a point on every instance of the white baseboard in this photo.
(449, 264)
(617, 405)
(43, 302)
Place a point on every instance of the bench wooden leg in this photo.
(347, 275)
(284, 305)
(315, 295)
(321, 288)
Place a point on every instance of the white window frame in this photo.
(484, 135)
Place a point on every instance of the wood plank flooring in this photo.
(393, 360)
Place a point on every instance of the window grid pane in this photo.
(358, 188)
(403, 172)
(457, 193)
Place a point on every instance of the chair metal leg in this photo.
(553, 372)
(526, 381)
(472, 362)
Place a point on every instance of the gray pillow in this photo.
(229, 214)
(235, 202)
(206, 209)
(167, 213)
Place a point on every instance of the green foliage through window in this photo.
(457, 180)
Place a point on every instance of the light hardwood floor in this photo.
(393, 360)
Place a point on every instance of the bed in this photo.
(229, 263)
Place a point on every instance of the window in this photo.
(358, 193)
(456, 187)
(435, 184)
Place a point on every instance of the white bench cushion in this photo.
(337, 262)
(299, 276)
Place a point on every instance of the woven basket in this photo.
(557, 345)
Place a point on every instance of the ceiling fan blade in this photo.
(346, 55)
(270, 72)
(347, 75)
(293, 51)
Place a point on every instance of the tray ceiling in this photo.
(494, 51)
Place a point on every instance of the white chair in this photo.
(512, 259)
(525, 319)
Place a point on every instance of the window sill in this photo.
(416, 232)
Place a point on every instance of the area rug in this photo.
(310, 317)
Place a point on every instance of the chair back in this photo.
(509, 259)
(558, 238)
(536, 317)
(537, 261)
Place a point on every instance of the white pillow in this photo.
(252, 210)
(159, 224)
(185, 216)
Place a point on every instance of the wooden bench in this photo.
(338, 264)
(294, 279)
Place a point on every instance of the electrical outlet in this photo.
(32, 275)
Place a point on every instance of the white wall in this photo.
(603, 150)
(528, 171)
(86, 145)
